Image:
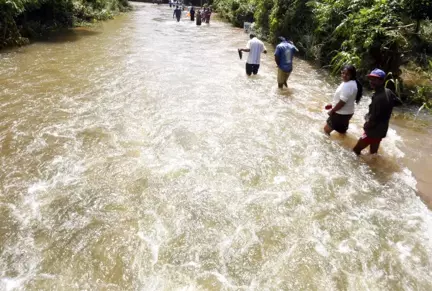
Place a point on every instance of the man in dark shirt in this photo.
(192, 13)
(177, 13)
(378, 117)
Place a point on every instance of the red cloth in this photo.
(370, 140)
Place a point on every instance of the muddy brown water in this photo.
(138, 156)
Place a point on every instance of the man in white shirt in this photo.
(254, 47)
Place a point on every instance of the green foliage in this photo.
(24, 19)
(236, 11)
(394, 83)
(366, 33)
(341, 59)
(418, 10)
(422, 95)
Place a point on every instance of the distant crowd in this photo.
(203, 16)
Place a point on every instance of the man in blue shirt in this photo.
(284, 55)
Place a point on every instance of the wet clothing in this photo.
(252, 68)
(177, 14)
(380, 111)
(347, 92)
(370, 140)
(198, 18)
(256, 48)
(192, 14)
(282, 76)
(285, 53)
(339, 122)
(207, 15)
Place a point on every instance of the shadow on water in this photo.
(159, 19)
(59, 36)
(285, 95)
(68, 35)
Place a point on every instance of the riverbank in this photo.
(25, 21)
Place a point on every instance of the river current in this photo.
(138, 156)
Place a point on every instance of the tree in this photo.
(418, 10)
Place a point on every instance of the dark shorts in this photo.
(250, 68)
(339, 122)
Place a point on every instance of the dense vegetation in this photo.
(24, 19)
(395, 35)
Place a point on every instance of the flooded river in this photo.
(138, 156)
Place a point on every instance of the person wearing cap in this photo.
(284, 55)
(378, 117)
(255, 48)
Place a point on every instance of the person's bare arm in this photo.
(337, 107)
(277, 60)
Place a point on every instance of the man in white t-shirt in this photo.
(255, 48)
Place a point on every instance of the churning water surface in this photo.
(138, 156)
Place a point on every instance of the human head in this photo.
(349, 73)
(281, 38)
(377, 78)
(252, 35)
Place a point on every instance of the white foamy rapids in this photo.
(153, 163)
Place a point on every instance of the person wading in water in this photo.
(177, 13)
(348, 93)
(192, 14)
(207, 15)
(198, 17)
(378, 117)
(284, 55)
(255, 48)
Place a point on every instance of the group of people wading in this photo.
(200, 16)
(346, 96)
